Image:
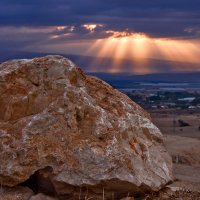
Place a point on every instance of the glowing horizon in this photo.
(139, 46)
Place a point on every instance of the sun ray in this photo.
(140, 49)
(119, 53)
(103, 48)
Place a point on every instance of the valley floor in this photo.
(183, 143)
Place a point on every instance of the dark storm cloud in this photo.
(169, 18)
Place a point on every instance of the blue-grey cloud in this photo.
(39, 24)
(159, 18)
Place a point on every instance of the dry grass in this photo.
(178, 195)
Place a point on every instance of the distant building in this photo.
(170, 89)
(169, 104)
(188, 99)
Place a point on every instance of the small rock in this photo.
(42, 197)
(128, 198)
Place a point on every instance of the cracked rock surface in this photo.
(74, 131)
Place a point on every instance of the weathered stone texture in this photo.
(78, 129)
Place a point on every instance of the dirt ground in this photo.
(183, 143)
(167, 125)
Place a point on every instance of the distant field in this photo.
(165, 122)
(183, 144)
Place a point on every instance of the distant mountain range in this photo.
(127, 80)
(99, 67)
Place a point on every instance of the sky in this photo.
(122, 29)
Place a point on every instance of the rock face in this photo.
(16, 193)
(74, 134)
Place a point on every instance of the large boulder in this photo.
(74, 135)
